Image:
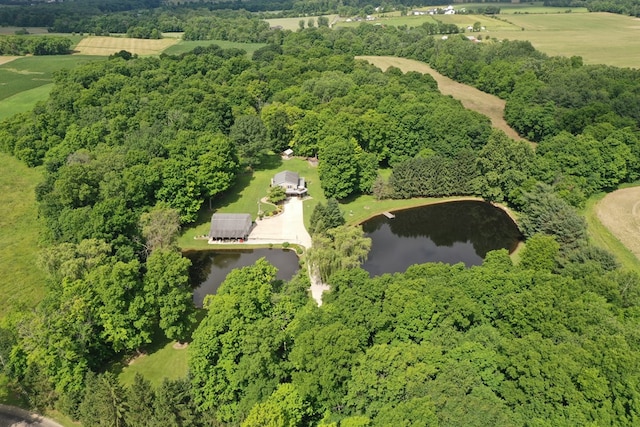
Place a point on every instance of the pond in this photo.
(449, 232)
(210, 268)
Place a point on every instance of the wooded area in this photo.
(132, 148)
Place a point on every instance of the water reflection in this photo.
(448, 232)
(210, 268)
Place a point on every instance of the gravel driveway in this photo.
(286, 227)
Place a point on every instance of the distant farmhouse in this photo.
(293, 184)
(228, 226)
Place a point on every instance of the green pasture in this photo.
(244, 196)
(30, 72)
(186, 46)
(23, 101)
(600, 236)
(21, 281)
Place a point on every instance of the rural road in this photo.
(10, 416)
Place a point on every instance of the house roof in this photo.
(286, 177)
(230, 226)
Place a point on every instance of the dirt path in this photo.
(16, 417)
(620, 213)
(6, 59)
(472, 98)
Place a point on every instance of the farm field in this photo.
(21, 281)
(23, 101)
(619, 213)
(104, 46)
(29, 72)
(184, 46)
(292, 23)
(472, 98)
(599, 38)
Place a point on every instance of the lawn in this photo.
(21, 281)
(244, 196)
(186, 46)
(167, 362)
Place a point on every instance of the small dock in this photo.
(388, 215)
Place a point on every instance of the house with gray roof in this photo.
(225, 226)
(293, 184)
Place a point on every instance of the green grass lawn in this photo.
(602, 237)
(21, 281)
(244, 196)
(166, 362)
(186, 46)
(31, 72)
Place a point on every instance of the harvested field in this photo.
(472, 98)
(619, 212)
(104, 46)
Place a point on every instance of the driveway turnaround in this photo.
(286, 227)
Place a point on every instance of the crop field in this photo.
(23, 101)
(473, 99)
(619, 212)
(105, 46)
(184, 46)
(292, 23)
(599, 38)
(21, 282)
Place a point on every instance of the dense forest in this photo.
(132, 148)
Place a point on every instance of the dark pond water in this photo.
(210, 268)
(448, 232)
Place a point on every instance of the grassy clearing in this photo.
(23, 101)
(244, 196)
(30, 72)
(21, 282)
(167, 362)
(187, 46)
(472, 98)
(104, 46)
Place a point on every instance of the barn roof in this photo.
(230, 226)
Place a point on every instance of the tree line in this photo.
(34, 45)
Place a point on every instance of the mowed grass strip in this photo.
(473, 99)
(104, 46)
(185, 46)
(21, 281)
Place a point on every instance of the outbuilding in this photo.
(225, 226)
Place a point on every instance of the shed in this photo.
(287, 153)
(230, 226)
